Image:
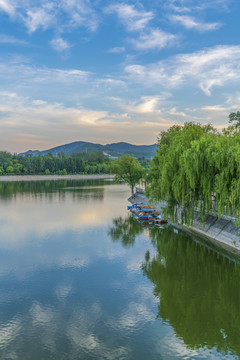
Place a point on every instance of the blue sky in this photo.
(109, 71)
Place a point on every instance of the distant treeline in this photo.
(77, 163)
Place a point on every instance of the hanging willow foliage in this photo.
(197, 167)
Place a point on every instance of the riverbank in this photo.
(53, 177)
(222, 230)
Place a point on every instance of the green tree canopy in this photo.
(234, 117)
(128, 170)
(195, 165)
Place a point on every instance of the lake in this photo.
(80, 279)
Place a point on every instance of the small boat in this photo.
(160, 220)
(135, 205)
(145, 213)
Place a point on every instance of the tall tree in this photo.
(195, 164)
(234, 117)
(128, 170)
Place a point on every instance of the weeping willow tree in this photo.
(194, 166)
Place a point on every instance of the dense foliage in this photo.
(83, 163)
(128, 170)
(196, 166)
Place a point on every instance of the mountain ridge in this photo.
(111, 150)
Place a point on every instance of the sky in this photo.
(108, 71)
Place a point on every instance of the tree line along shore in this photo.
(79, 163)
(195, 166)
(76, 163)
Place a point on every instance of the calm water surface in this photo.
(79, 279)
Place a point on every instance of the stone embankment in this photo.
(53, 177)
(222, 230)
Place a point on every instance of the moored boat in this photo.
(146, 213)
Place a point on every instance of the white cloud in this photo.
(43, 17)
(233, 100)
(133, 19)
(148, 105)
(59, 15)
(181, 6)
(76, 14)
(28, 74)
(80, 13)
(138, 20)
(155, 39)
(29, 120)
(117, 50)
(206, 68)
(174, 112)
(7, 6)
(5, 39)
(189, 22)
(60, 45)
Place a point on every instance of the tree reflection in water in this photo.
(125, 230)
(197, 286)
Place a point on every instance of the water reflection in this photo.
(64, 205)
(72, 284)
(198, 291)
(47, 188)
(125, 230)
(196, 284)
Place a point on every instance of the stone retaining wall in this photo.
(220, 229)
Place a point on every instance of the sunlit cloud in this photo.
(147, 105)
(174, 112)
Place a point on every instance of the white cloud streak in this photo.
(183, 6)
(58, 15)
(117, 50)
(207, 68)
(133, 19)
(7, 6)
(189, 22)
(5, 39)
(154, 40)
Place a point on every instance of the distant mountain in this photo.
(111, 150)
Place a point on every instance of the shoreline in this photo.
(220, 230)
(54, 177)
